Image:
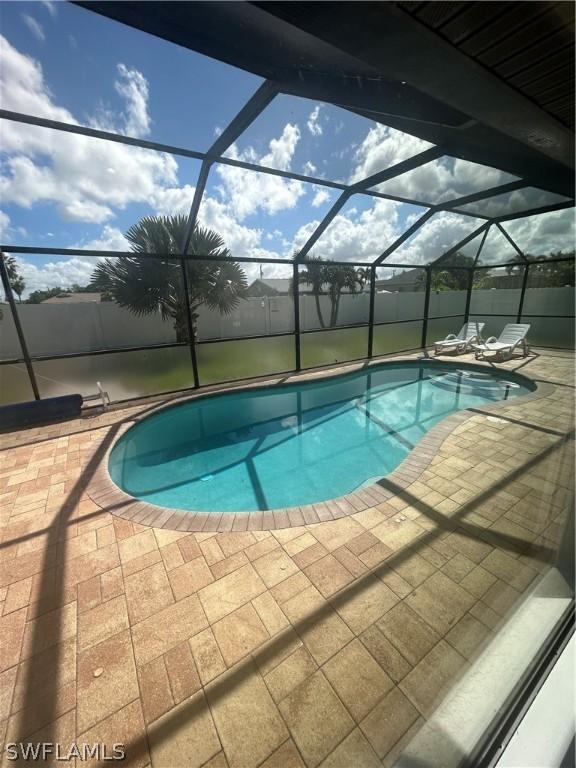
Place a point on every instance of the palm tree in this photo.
(18, 286)
(341, 277)
(330, 279)
(315, 276)
(16, 280)
(145, 286)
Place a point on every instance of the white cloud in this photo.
(355, 237)
(67, 272)
(514, 202)
(111, 239)
(169, 201)
(133, 87)
(50, 6)
(383, 147)
(56, 273)
(4, 225)
(434, 182)
(434, 238)
(241, 240)
(309, 168)
(282, 150)
(34, 26)
(313, 123)
(247, 192)
(88, 180)
(322, 195)
(445, 179)
(540, 235)
(84, 178)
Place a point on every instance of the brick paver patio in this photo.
(325, 643)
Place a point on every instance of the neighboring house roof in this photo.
(280, 286)
(73, 298)
(270, 286)
(405, 279)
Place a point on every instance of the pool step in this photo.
(472, 383)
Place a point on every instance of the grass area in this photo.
(134, 374)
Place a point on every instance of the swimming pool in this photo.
(299, 443)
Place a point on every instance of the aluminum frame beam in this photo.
(360, 186)
(482, 228)
(511, 241)
(404, 236)
(249, 112)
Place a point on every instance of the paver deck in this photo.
(320, 644)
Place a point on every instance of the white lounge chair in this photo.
(513, 335)
(470, 332)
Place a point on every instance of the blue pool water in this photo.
(299, 443)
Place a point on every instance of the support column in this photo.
(469, 294)
(189, 323)
(426, 306)
(371, 311)
(522, 294)
(296, 299)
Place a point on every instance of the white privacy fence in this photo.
(57, 329)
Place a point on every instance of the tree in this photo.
(332, 280)
(315, 276)
(145, 286)
(40, 295)
(342, 278)
(16, 280)
(555, 275)
(449, 275)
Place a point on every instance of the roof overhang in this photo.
(375, 59)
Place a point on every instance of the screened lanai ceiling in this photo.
(283, 160)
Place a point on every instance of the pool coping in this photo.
(104, 492)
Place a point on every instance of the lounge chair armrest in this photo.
(451, 337)
(491, 340)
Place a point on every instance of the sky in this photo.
(61, 190)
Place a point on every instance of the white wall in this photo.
(64, 328)
(52, 329)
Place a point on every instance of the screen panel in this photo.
(113, 77)
(439, 234)
(332, 295)
(438, 329)
(497, 291)
(244, 358)
(445, 179)
(400, 294)
(320, 139)
(122, 374)
(448, 291)
(555, 332)
(336, 346)
(493, 325)
(497, 249)
(61, 190)
(550, 289)
(77, 303)
(364, 228)
(396, 337)
(15, 384)
(509, 203)
(544, 235)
